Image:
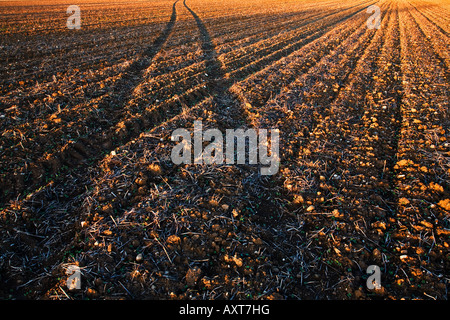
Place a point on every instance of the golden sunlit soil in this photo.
(86, 176)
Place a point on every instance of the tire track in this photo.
(219, 85)
(34, 245)
(121, 93)
(245, 72)
(367, 118)
(120, 42)
(71, 153)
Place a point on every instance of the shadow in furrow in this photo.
(218, 86)
(132, 76)
(227, 102)
(213, 65)
(121, 94)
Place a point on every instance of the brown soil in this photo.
(86, 175)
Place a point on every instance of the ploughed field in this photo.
(86, 176)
